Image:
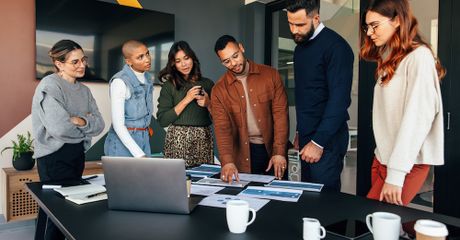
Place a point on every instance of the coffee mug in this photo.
(238, 214)
(430, 230)
(384, 225)
(312, 229)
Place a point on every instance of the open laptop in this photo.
(147, 184)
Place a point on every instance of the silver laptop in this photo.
(147, 184)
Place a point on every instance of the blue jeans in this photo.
(114, 147)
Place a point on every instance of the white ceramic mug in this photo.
(384, 225)
(238, 214)
(430, 230)
(312, 229)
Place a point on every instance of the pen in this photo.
(50, 186)
(89, 178)
(95, 194)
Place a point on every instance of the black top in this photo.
(323, 69)
(276, 220)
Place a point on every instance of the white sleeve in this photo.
(118, 97)
(422, 103)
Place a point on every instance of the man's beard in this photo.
(302, 38)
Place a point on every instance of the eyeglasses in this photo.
(76, 62)
(373, 26)
(226, 62)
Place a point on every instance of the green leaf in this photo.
(23, 144)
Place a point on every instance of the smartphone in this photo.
(201, 93)
(348, 229)
(408, 228)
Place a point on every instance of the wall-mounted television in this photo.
(100, 28)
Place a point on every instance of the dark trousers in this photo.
(328, 169)
(66, 164)
(260, 159)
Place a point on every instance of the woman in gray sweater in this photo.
(64, 119)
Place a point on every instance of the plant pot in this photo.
(24, 162)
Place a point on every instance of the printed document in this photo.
(218, 182)
(204, 190)
(199, 174)
(220, 201)
(307, 186)
(207, 168)
(287, 195)
(247, 177)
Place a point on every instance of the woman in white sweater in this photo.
(407, 108)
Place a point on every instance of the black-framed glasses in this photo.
(226, 62)
(76, 62)
(373, 26)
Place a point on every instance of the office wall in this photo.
(200, 22)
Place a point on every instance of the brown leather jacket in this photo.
(269, 104)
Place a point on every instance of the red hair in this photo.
(404, 40)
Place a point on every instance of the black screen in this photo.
(351, 229)
(100, 28)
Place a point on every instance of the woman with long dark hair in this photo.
(183, 106)
(64, 119)
(407, 108)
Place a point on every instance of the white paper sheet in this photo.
(220, 201)
(80, 189)
(204, 190)
(281, 194)
(255, 177)
(82, 194)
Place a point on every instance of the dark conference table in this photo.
(276, 220)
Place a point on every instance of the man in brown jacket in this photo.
(250, 114)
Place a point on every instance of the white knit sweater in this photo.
(408, 117)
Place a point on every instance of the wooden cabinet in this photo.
(18, 204)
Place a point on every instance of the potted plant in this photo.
(23, 150)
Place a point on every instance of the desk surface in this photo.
(277, 220)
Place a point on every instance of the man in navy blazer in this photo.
(323, 72)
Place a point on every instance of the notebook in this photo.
(148, 185)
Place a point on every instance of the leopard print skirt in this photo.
(193, 144)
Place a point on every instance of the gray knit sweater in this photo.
(55, 101)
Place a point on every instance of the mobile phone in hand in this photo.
(201, 93)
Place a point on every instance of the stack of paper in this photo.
(82, 194)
